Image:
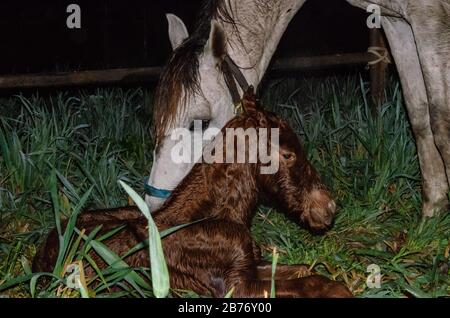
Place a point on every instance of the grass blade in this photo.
(160, 272)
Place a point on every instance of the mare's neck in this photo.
(259, 26)
(221, 191)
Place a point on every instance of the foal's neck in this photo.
(221, 191)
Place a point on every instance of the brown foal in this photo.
(214, 255)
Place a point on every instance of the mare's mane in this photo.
(180, 77)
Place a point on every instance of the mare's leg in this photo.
(431, 28)
(307, 287)
(404, 51)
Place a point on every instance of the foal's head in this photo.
(296, 188)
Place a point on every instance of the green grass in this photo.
(91, 141)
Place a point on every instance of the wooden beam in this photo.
(321, 61)
(146, 74)
(83, 78)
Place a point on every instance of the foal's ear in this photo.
(177, 30)
(217, 42)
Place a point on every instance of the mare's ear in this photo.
(250, 101)
(177, 30)
(217, 41)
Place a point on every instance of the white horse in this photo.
(193, 87)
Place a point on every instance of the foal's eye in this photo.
(204, 122)
(289, 156)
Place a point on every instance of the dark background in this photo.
(34, 37)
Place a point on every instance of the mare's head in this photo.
(295, 188)
(191, 90)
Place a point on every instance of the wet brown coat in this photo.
(219, 253)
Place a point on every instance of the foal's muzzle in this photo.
(319, 210)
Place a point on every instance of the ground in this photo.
(93, 139)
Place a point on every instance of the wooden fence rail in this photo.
(146, 74)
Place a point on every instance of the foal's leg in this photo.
(287, 281)
(282, 272)
(108, 215)
(264, 268)
(307, 287)
(434, 181)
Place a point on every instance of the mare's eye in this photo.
(204, 123)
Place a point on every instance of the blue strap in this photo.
(155, 192)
